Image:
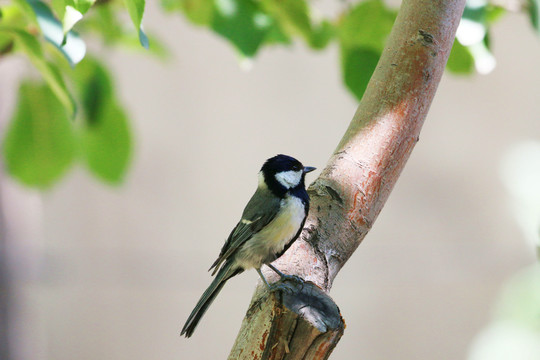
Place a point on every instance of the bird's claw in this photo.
(281, 286)
(295, 278)
(289, 284)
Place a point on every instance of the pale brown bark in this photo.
(354, 186)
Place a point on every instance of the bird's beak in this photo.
(308, 169)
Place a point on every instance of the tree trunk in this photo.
(354, 186)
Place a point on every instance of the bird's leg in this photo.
(263, 278)
(294, 278)
(282, 275)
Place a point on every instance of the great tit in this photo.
(272, 220)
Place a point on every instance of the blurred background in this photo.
(105, 272)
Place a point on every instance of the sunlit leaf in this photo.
(243, 23)
(368, 24)
(32, 47)
(104, 21)
(105, 136)
(10, 17)
(71, 17)
(293, 16)
(321, 35)
(155, 47)
(83, 5)
(358, 64)
(71, 45)
(39, 145)
(199, 12)
(59, 7)
(136, 11)
(362, 34)
(276, 35)
(460, 60)
(70, 11)
(494, 13)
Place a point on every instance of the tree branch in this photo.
(352, 189)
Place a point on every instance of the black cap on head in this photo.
(281, 163)
(272, 172)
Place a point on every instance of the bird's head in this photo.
(282, 173)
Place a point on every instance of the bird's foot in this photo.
(283, 287)
(294, 278)
(288, 283)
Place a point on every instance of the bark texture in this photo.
(355, 184)
(297, 322)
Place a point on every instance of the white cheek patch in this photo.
(289, 179)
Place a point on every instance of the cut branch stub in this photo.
(298, 321)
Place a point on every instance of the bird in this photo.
(271, 221)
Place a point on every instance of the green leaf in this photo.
(494, 13)
(321, 35)
(199, 12)
(362, 34)
(476, 11)
(104, 21)
(358, 64)
(460, 60)
(105, 136)
(83, 5)
(70, 18)
(156, 47)
(32, 47)
(368, 24)
(12, 17)
(59, 7)
(473, 34)
(243, 23)
(39, 145)
(293, 16)
(107, 145)
(70, 45)
(534, 14)
(276, 35)
(70, 11)
(136, 11)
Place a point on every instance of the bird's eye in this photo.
(296, 167)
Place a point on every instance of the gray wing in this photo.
(260, 210)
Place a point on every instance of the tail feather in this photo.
(224, 274)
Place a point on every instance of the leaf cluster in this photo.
(71, 113)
